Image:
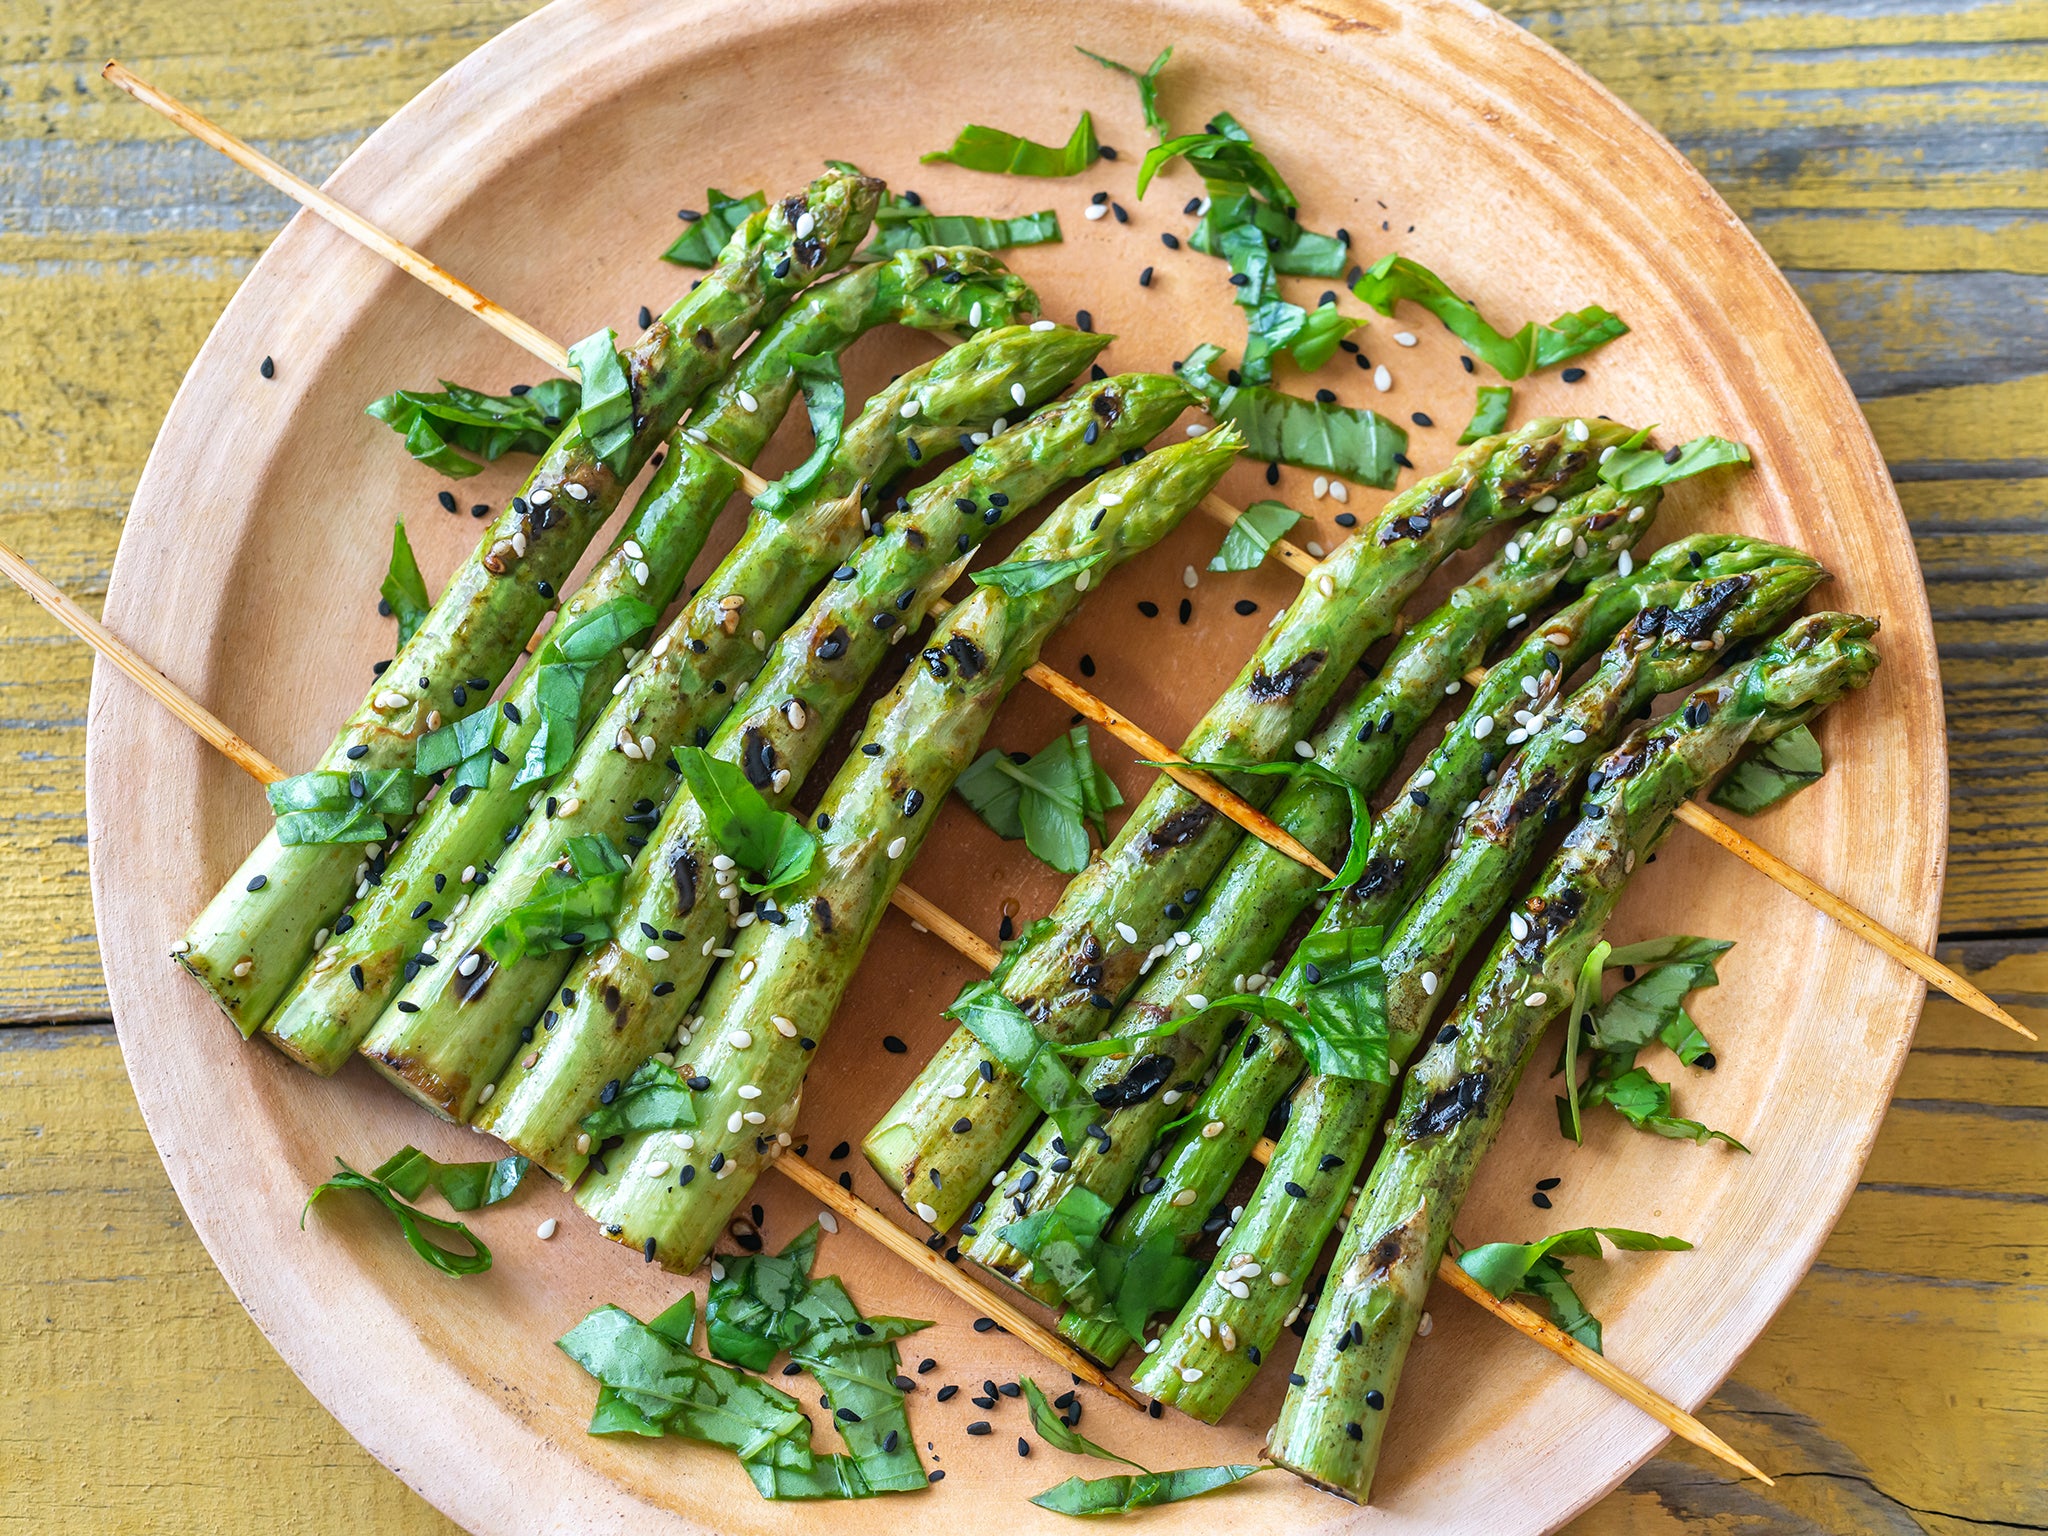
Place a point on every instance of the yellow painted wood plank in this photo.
(1890, 241)
(1619, 30)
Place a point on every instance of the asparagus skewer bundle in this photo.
(1216, 1344)
(1408, 842)
(256, 935)
(774, 999)
(1068, 974)
(1455, 1099)
(453, 1029)
(387, 933)
(1254, 903)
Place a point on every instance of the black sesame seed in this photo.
(984, 1324)
(1147, 608)
(1572, 375)
(1540, 1200)
(447, 500)
(1187, 609)
(1347, 519)
(646, 317)
(1246, 607)
(1023, 1446)
(1421, 419)
(647, 1251)
(1170, 240)
(893, 1046)
(1375, 1399)
(268, 368)
(947, 1393)
(258, 883)
(981, 1427)
(1087, 665)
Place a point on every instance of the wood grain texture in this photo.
(1866, 143)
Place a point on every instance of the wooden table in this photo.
(1891, 157)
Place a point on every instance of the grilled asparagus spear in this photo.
(1214, 1347)
(1452, 1105)
(1255, 901)
(1069, 973)
(1408, 841)
(453, 1030)
(328, 1011)
(255, 937)
(774, 999)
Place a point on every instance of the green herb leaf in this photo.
(562, 668)
(1645, 1103)
(1359, 445)
(329, 806)
(1050, 800)
(771, 847)
(465, 1186)
(1096, 1277)
(439, 429)
(1020, 578)
(1123, 1495)
(1584, 996)
(1534, 1269)
(1254, 532)
(1293, 250)
(708, 234)
(1010, 1038)
(1637, 469)
(1147, 83)
(1345, 1034)
(990, 149)
(824, 390)
(1490, 415)
(903, 226)
(1314, 343)
(405, 589)
(463, 745)
(1223, 156)
(1393, 278)
(605, 417)
(654, 1098)
(410, 1222)
(1652, 1006)
(1785, 766)
(749, 1317)
(1056, 1432)
(1257, 1005)
(565, 909)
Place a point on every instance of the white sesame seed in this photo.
(1544, 504)
(897, 845)
(485, 1096)
(722, 861)
(739, 1039)
(1381, 379)
(749, 1091)
(657, 1170)
(684, 1140)
(390, 698)
(583, 1142)
(1625, 564)
(1017, 393)
(1151, 1345)
(1536, 999)
(1212, 1130)
(746, 967)
(778, 781)
(1043, 325)
(1128, 934)
(907, 410)
(925, 1213)
(1184, 1198)
(783, 1027)
(1315, 550)
(1303, 749)
(1404, 338)
(1577, 431)
(973, 318)
(733, 1122)
(1188, 578)
(1171, 1096)
(1189, 1374)
(1095, 210)
(1340, 492)
(469, 964)
(1482, 728)
(1452, 687)
(1425, 778)
(747, 401)
(1518, 925)
(656, 952)
(647, 748)
(1319, 487)
(575, 492)
(1425, 1326)
(1197, 1001)
(1511, 551)
(1529, 686)
(243, 967)
(1607, 453)
(1429, 983)
(640, 572)
(1515, 738)
(546, 1229)
(1518, 621)
(805, 223)
(954, 1090)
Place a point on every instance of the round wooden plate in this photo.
(547, 169)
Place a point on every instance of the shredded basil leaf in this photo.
(464, 745)
(1014, 1043)
(902, 226)
(440, 429)
(1785, 766)
(1314, 341)
(411, 1222)
(330, 806)
(1534, 1269)
(1293, 250)
(404, 589)
(990, 149)
(1123, 1495)
(824, 390)
(1636, 469)
(1147, 82)
(1253, 533)
(465, 1186)
(565, 909)
(771, 847)
(709, 233)
(1056, 1432)
(605, 418)
(748, 1316)
(1099, 1278)
(1345, 1034)
(654, 1098)
(1584, 996)
(1393, 278)
(1359, 445)
(1020, 578)
(1223, 155)
(562, 667)
(1490, 415)
(1050, 800)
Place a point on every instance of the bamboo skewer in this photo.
(1526, 1321)
(1291, 555)
(841, 1201)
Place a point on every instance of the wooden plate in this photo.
(257, 539)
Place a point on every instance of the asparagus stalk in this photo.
(328, 1011)
(773, 1001)
(452, 1030)
(1261, 892)
(1070, 971)
(1453, 1103)
(1216, 1344)
(256, 935)
(1408, 841)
